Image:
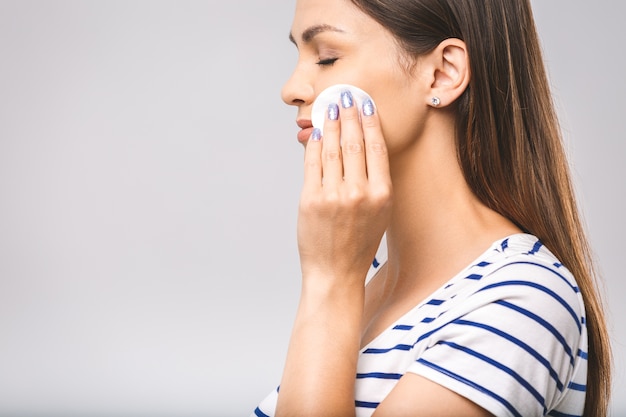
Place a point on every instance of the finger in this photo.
(352, 144)
(313, 163)
(332, 165)
(376, 157)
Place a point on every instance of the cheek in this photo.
(402, 123)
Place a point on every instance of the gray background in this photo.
(149, 177)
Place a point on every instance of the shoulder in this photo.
(524, 273)
(525, 286)
(519, 318)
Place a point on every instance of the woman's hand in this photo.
(344, 210)
(346, 198)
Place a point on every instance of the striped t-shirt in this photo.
(508, 333)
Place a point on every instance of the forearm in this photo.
(320, 370)
(344, 210)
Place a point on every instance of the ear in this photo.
(449, 72)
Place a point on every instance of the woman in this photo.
(486, 304)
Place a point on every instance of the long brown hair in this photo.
(509, 142)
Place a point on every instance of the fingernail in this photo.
(346, 99)
(333, 111)
(368, 107)
(316, 134)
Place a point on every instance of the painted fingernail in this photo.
(316, 134)
(346, 99)
(368, 107)
(333, 111)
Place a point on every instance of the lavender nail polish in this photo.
(316, 134)
(368, 107)
(346, 99)
(333, 111)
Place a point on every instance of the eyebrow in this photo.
(313, 31)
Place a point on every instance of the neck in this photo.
(435, 215)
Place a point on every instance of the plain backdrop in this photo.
(149, 178)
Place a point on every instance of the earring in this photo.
(435, 101)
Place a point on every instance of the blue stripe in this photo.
(428, 334)
(405, 347)
(474, 277)
(573, 287)
(542, 322)
(428, 320)
(471, 384)
(483, 264)
(365, 404)
(583, 355)
(435, 302)
(546, 290)
(555, 413)
(577, 387)
(375, 263)
(259, 413)
(503, 368)
(536, 248)
(379, 375)
(403, 327)
(386, 350)
(519, 343)
(505, 244)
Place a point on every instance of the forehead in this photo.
(342, 15)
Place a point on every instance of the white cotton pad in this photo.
(332, 95)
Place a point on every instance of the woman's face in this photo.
(339, 44)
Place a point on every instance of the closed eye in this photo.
(327, 62)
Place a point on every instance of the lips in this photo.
(306, 129)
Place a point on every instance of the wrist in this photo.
(329, 287)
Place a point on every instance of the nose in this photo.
(298, 90)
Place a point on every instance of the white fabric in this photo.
(508, 333)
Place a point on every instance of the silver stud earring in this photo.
(435, 101)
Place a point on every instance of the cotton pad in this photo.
(332, 95)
